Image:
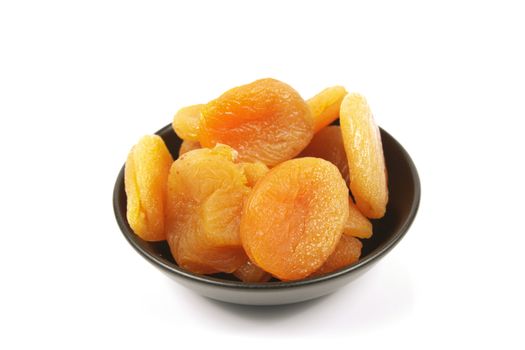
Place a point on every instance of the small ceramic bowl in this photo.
(404, 195)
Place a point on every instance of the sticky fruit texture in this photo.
(347, 252)
(357, 224)
(145, 180)
(187, 146)
(294, 217)
(328, 145)
(186, 122)
(366, 163)
(265, 121)
(325, 106)
(249, 272)
(206, 193)
(254, 172)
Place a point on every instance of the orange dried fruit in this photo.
(187, 146)
(249, 272)
(347, 252)
(325, 106)
(357, 224)
(328, 145)
(254, 172)
(266, 121)
(186, 122)
(206, 192)
(366, 163)
(294, 217)
(145, 179)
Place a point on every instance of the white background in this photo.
(81, 82)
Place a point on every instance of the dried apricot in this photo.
(362, 140)
(145, 179)
(357, 225)
(249, 272)
(347, 252)
(206, 192)
(328, 145)
(187, 146)
(254, 172)
(265, 121)
(186, 122)
(294, 217)
(325, 106)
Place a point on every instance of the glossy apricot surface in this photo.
(366, 163)
(325, 106)
(206, 192)
(294, 217)
(145, 180)
(265, 121)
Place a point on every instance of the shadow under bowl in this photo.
(404, 196)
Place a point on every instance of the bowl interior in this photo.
(404, 193)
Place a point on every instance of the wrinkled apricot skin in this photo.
(254, 172)
(249, 272)
(366, 163)
(328, 145)
(346, 253)
(357, 225)
(264, 121)
(187, 146)
(325, 106)
(294, 217)
(145, 179)
(186, 122)
(206, 192)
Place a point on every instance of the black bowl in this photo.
(404, 192)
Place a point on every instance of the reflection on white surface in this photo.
(382, 295)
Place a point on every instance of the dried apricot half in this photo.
(325, 106)
(366, 163)
(347, 252)
(249, 272)
(186, 122)
(294, 217)
(266, 121)
(206, 192)
(328, 145)
(145, 180)
(357, 225)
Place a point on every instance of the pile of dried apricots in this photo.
(260, 187)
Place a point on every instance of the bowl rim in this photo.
(167, 266)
